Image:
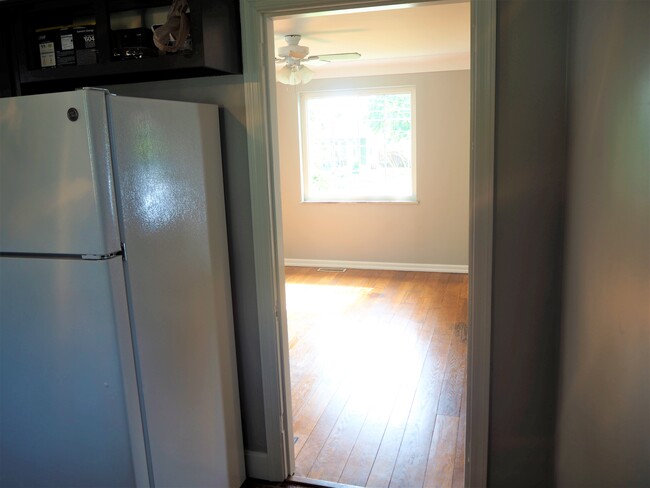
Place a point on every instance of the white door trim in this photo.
(267, 238)
(483, 88)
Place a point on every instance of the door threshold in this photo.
(299, 480)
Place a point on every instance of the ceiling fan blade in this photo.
(335, 57)
(315, 58)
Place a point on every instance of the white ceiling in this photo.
(420, 38)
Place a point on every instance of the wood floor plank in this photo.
(371, 386)
(318, 436)
(409, 374)
(464, 291)
(307, 417)
(359, 463)
(362, 458)
(459, 458)
(332, 318)
(375, 360)
(413, 453)
(335, 451)
(384, 463)
(403, 373)
(454, 381)
(345, 363)
(440, 464)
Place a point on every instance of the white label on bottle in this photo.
(47, 54)
(66, 42)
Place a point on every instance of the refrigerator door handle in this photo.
(41, 255)
(101, 257)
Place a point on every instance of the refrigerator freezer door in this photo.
(56, 188)
(65, 391)
(170, 188)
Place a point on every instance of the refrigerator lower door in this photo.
(69, 406)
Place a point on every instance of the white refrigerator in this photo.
(117, 353)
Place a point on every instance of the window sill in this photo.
(354, 202)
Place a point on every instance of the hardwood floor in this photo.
(378, 374)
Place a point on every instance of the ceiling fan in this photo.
(294, 55)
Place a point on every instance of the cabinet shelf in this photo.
(214, 30)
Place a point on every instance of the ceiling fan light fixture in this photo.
(294, 75)
(284, 75)
(305, 74)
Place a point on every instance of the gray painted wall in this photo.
(530, 174)
(228, 92)
(604, 407)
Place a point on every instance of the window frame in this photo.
(306, 95)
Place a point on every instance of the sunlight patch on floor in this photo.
(333, 298)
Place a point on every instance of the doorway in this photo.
(377, 356)
(277, 463)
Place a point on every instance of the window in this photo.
(358, 146)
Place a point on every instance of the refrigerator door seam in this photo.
(148, 476)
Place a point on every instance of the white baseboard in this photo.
(431, 268)
(256, 464)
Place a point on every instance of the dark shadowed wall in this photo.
(530, 176)
(604, 410)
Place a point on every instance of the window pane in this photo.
(358, 147)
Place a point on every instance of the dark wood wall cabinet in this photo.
(59, 45)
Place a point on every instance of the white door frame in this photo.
(257, 32)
